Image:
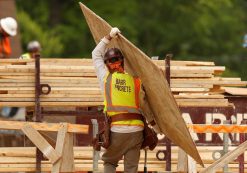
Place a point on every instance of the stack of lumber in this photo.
(196, 83)
(23, 159)
(73, 83)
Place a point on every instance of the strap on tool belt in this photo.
(126, 117)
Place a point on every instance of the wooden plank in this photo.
(26, 160)
(68, 155)
(65, 148)
(213, 68)
(17, 74)
(50, 95)
(54, 99)
(203, 104)
(54, 89)
(189, 89)
(182, 165)
(85, 152)
(191, 75)
(203, 100)
(199, 95)
(65, 84)
(87, 166)
(185, 85)
(231, 155)
(51, 104)
(39, 141)
(230, 79)
(61, 135)
(185, 63)
(236, 91)
(209, 81)
(166, 111)
(52, 127)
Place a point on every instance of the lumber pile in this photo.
(23, 159)
(73, 83)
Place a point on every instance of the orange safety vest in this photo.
(5, 48)
(122, 96)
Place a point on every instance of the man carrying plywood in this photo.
(123, 100)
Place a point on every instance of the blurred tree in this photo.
(50, 43)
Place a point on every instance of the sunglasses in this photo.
(113, 60)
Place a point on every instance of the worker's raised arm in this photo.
(98, 54)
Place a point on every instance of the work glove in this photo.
(114, 32)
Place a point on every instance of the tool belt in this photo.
(150, 139)
(126, 117)
(102, 139)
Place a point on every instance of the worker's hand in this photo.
(114, 32)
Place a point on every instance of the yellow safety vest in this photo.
(122, 96)
(26, 56)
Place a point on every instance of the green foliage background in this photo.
(202, 30)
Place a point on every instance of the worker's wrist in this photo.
(106, 39)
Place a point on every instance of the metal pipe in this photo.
(145, 162)
(167, 140)
(225, 146)
(37, 111)
(241, 157)
(95, 153)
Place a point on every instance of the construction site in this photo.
(200, 111)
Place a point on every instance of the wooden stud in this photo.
(228, 157)
(52, 127)
(39, 141)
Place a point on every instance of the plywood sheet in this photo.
(159, 95)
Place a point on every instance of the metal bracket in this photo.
(161, 155)
(45, 92)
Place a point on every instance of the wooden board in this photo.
(228, 157)
(236, 91)
(39, 141)
(52, 127)
(160, 98)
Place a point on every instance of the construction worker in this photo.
(33, 48)
(8, 28)
(123, 94)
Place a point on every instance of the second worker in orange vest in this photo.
(124, 101)
(8, 28)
